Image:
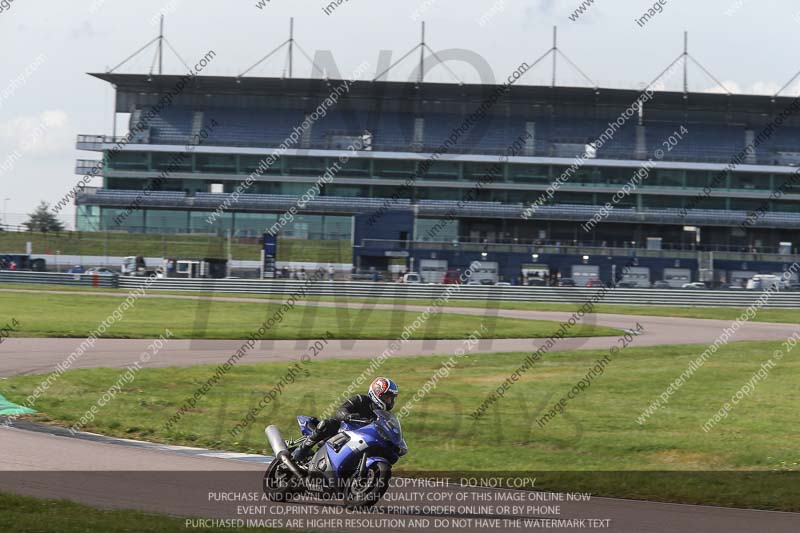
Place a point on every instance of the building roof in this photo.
(141, 88)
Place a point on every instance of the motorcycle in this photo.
(354, 465)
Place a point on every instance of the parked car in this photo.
(661, 285)
(101, 271)
(412, 277)
(502, 284)
(595, 282)
(537, 282)
(627, 285)
(694, 285)
(452, 277)
(566, 282)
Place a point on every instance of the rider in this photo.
(382, 394)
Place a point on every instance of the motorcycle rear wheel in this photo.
(366, 490)
(279, 482)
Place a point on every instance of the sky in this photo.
(48, 46)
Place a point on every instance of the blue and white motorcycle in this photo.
(354, 465)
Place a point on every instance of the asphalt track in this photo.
(114, 475)
(39, 356)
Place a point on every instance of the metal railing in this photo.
(351, 289)
(543, 148)
(52, 278)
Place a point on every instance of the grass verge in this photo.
(791, 316)
(75, 315)
(749, 460)
(190, 246)
(23, 514)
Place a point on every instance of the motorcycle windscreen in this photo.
(389, 427)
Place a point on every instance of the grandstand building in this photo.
(415, 175)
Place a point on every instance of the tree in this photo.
(42, 220)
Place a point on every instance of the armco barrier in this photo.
(352, 289)
(52, 278)
(345, 289)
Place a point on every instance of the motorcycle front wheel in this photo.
(366, 490)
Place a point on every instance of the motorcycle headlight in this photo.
(403, 449)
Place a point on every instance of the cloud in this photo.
(44, 134)
(768, 88)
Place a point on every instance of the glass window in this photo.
(395, 168)
(305, 166)
(172, 161)
(165, 221)
(354, 168)
(616, 175)
(249, 163)
(436, 229)
(87, 218)
(701, 178)
(785, 207)
(535, 174)
(484, 171)
(441, 170)
(658, 202)
(337, 227)
(220, 224)
(219, 163)
(253, 224)
(121, 220)
(124, 160)
(745, 204)
(750, 181)
(664, 177)
(789, 184)
(346, 190)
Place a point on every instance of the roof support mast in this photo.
(555, 58)
(291, 43)
(554, 50)
(291, 46)
(161, 46)
(422, 46)
(421, 77)
(158, 59)
(685, 56)
(685, 63)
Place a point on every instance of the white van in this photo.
(763, 282)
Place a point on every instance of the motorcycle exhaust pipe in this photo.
(275, 439)
(281, 451)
